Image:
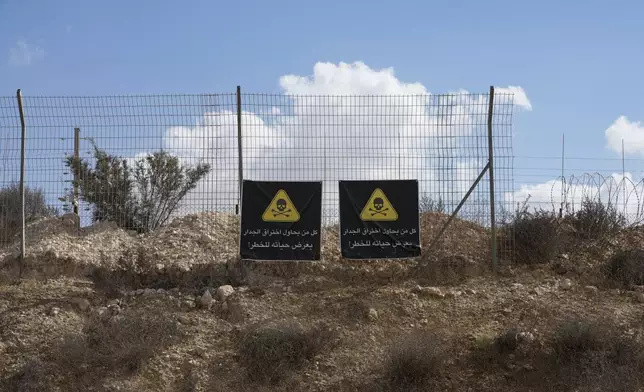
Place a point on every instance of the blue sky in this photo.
(579, 64)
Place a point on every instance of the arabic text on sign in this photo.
(281, 232)
(375, 230)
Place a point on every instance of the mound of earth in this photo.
(56, 246)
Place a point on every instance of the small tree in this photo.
(35, 207)
(140, 198)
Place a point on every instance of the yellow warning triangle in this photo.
(281, 209)
(378, 208)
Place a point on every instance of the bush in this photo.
(626, 267)
(117, 346)
(585, 355)
(270, 353)
(139, 198)
(507, 342)
(10, 212)
(413, 361)
(595, 219)
(428, 204)
(532, 237)
(575, 337)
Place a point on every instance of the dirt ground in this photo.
(366, 307)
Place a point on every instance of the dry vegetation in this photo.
(108, 310)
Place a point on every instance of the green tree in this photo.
(140, 197)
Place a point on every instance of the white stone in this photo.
(565, 284)
(206, 299)
(373, 314)
(224, 292)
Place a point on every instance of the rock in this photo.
(113, 309)
(470, 292)
(537, 291)
(99, 312)
(70, 220)
(149, 292)
(160, 267)
(638, 288)
(372, 315)
(507, 311)
(453, 294)
(591, 289)
(205, 300)
(54, 311)
(639, 297)
(224, 291)
(188, 304)
(517, 286)
(429, 292)
(161, 292)
(235, 311)
(185, 320)
(565, 284)
(140, 292)
(205, 239)
(564, 256)
(526, 337)
(81, 304)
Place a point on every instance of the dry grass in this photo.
(413, 362)
(531, 238)
(626, 267)
(587, 355)
(271, 353)
(106, 347)
(136, 270)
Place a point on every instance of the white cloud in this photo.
(25, 54)
(520, 98)
(631, 132)
(345, 121)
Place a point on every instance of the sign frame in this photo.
(378, 184)
(279, 187)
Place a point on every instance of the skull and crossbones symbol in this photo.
(281, 209)
(378, 203)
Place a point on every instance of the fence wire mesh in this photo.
(440, 140)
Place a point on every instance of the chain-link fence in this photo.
(440, 140)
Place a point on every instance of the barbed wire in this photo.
(622, 193)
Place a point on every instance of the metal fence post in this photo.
(75, 202)
(491, 170)
(22, 181)
(240, 163)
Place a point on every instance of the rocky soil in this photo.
(365, 306)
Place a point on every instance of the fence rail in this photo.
(440, 140)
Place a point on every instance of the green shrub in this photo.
(140, 198)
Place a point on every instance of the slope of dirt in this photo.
(365, 306)
(529, 300)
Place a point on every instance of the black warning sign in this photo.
(281, 220)
(379, 219)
